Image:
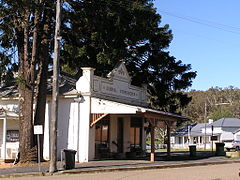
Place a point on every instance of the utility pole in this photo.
(206, 120)
(55, 85)
(205, 124)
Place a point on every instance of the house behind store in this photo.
(222, 130)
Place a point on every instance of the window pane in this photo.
(104, 133)
(132, 135)
(137, 137)
(98, 134)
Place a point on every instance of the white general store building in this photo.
(98, 117)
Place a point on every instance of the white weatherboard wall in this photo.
(73, 127)
(209, 130)
(237, 136)
(1, 130)
(226, 136)
(84, 129)
(84, 85)
(46, 146)
(67, 125)
(67, 129)
(1, 138)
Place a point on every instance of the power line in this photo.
(212, 24)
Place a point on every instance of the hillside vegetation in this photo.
(215, 103)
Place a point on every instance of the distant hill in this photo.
(215, 103)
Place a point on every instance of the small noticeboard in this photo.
(214, 138)
(38, 129)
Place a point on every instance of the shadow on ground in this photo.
(160, 157)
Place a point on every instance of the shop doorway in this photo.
(136, 134)
(120, 135)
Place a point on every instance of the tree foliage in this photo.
(109, 31)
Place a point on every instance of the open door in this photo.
(120, 135)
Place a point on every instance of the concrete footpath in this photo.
(177, 160)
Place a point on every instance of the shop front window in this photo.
(101, 134)
(102, 139)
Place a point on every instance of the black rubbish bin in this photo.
(220, 149)
(192, 150)
(69, 158)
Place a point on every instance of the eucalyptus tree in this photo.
(26, 33)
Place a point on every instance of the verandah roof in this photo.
(101, 108)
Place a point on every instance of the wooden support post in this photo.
(168, 141)
(152, 141)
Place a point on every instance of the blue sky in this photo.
(207, 36)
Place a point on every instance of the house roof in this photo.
(226, 122)
(67, 84)
(183, 131)
(197, 130)
(9, 90)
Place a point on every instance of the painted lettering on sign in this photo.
(128, 93)
(111, 89)
(12, 136)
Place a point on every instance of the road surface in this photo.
(210, 172)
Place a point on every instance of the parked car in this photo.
(232, 145)
(148, 146)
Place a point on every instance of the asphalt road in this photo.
(210, 172)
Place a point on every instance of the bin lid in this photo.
(69, 150)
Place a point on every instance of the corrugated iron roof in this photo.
(67, 84)
(226, 122)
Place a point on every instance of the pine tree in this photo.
(107, 31)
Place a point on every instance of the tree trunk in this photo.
(41, 85)
(41, 96)
(27, 152)
(25, 124)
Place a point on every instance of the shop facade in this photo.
(104, 117)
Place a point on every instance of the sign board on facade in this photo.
(38, 129)
(12, 136)
(118, 86)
